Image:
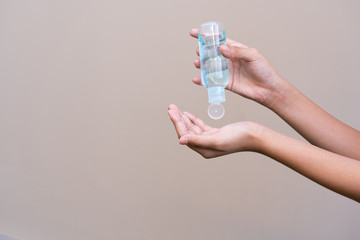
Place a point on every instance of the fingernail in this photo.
(172, 106)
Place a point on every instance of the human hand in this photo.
(213, 142)
(251, 75)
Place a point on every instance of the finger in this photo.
(172, 106)
(234, 43)
(194, 32)
(192, 127)
(197, 81)
(197, 63)
(197, 121)
(235, 52)
(197, 51)
(200, 141)
(177, 120)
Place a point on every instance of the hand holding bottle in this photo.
(251, 75)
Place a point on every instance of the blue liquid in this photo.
(214, 66)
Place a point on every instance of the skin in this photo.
(331, 158)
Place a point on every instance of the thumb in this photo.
(241, 53)
(207, 141)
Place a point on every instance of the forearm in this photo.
(333, 171)
(314, 124)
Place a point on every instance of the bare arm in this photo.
(335, 172)
(253, 77)
(315, 124)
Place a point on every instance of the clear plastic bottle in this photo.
(214, 66)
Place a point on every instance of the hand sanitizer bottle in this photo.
(214, 66)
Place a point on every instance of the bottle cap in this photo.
(216, 111)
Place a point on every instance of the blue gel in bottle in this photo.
(214, 66)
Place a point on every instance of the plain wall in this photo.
(87, 150)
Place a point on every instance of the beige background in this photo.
(86, 147)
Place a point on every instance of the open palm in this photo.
(211, 142)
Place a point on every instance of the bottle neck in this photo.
(216, 95)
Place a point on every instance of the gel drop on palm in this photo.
(214, 66)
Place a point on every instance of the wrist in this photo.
(278, 95)
(256, 135)
(261, 139)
